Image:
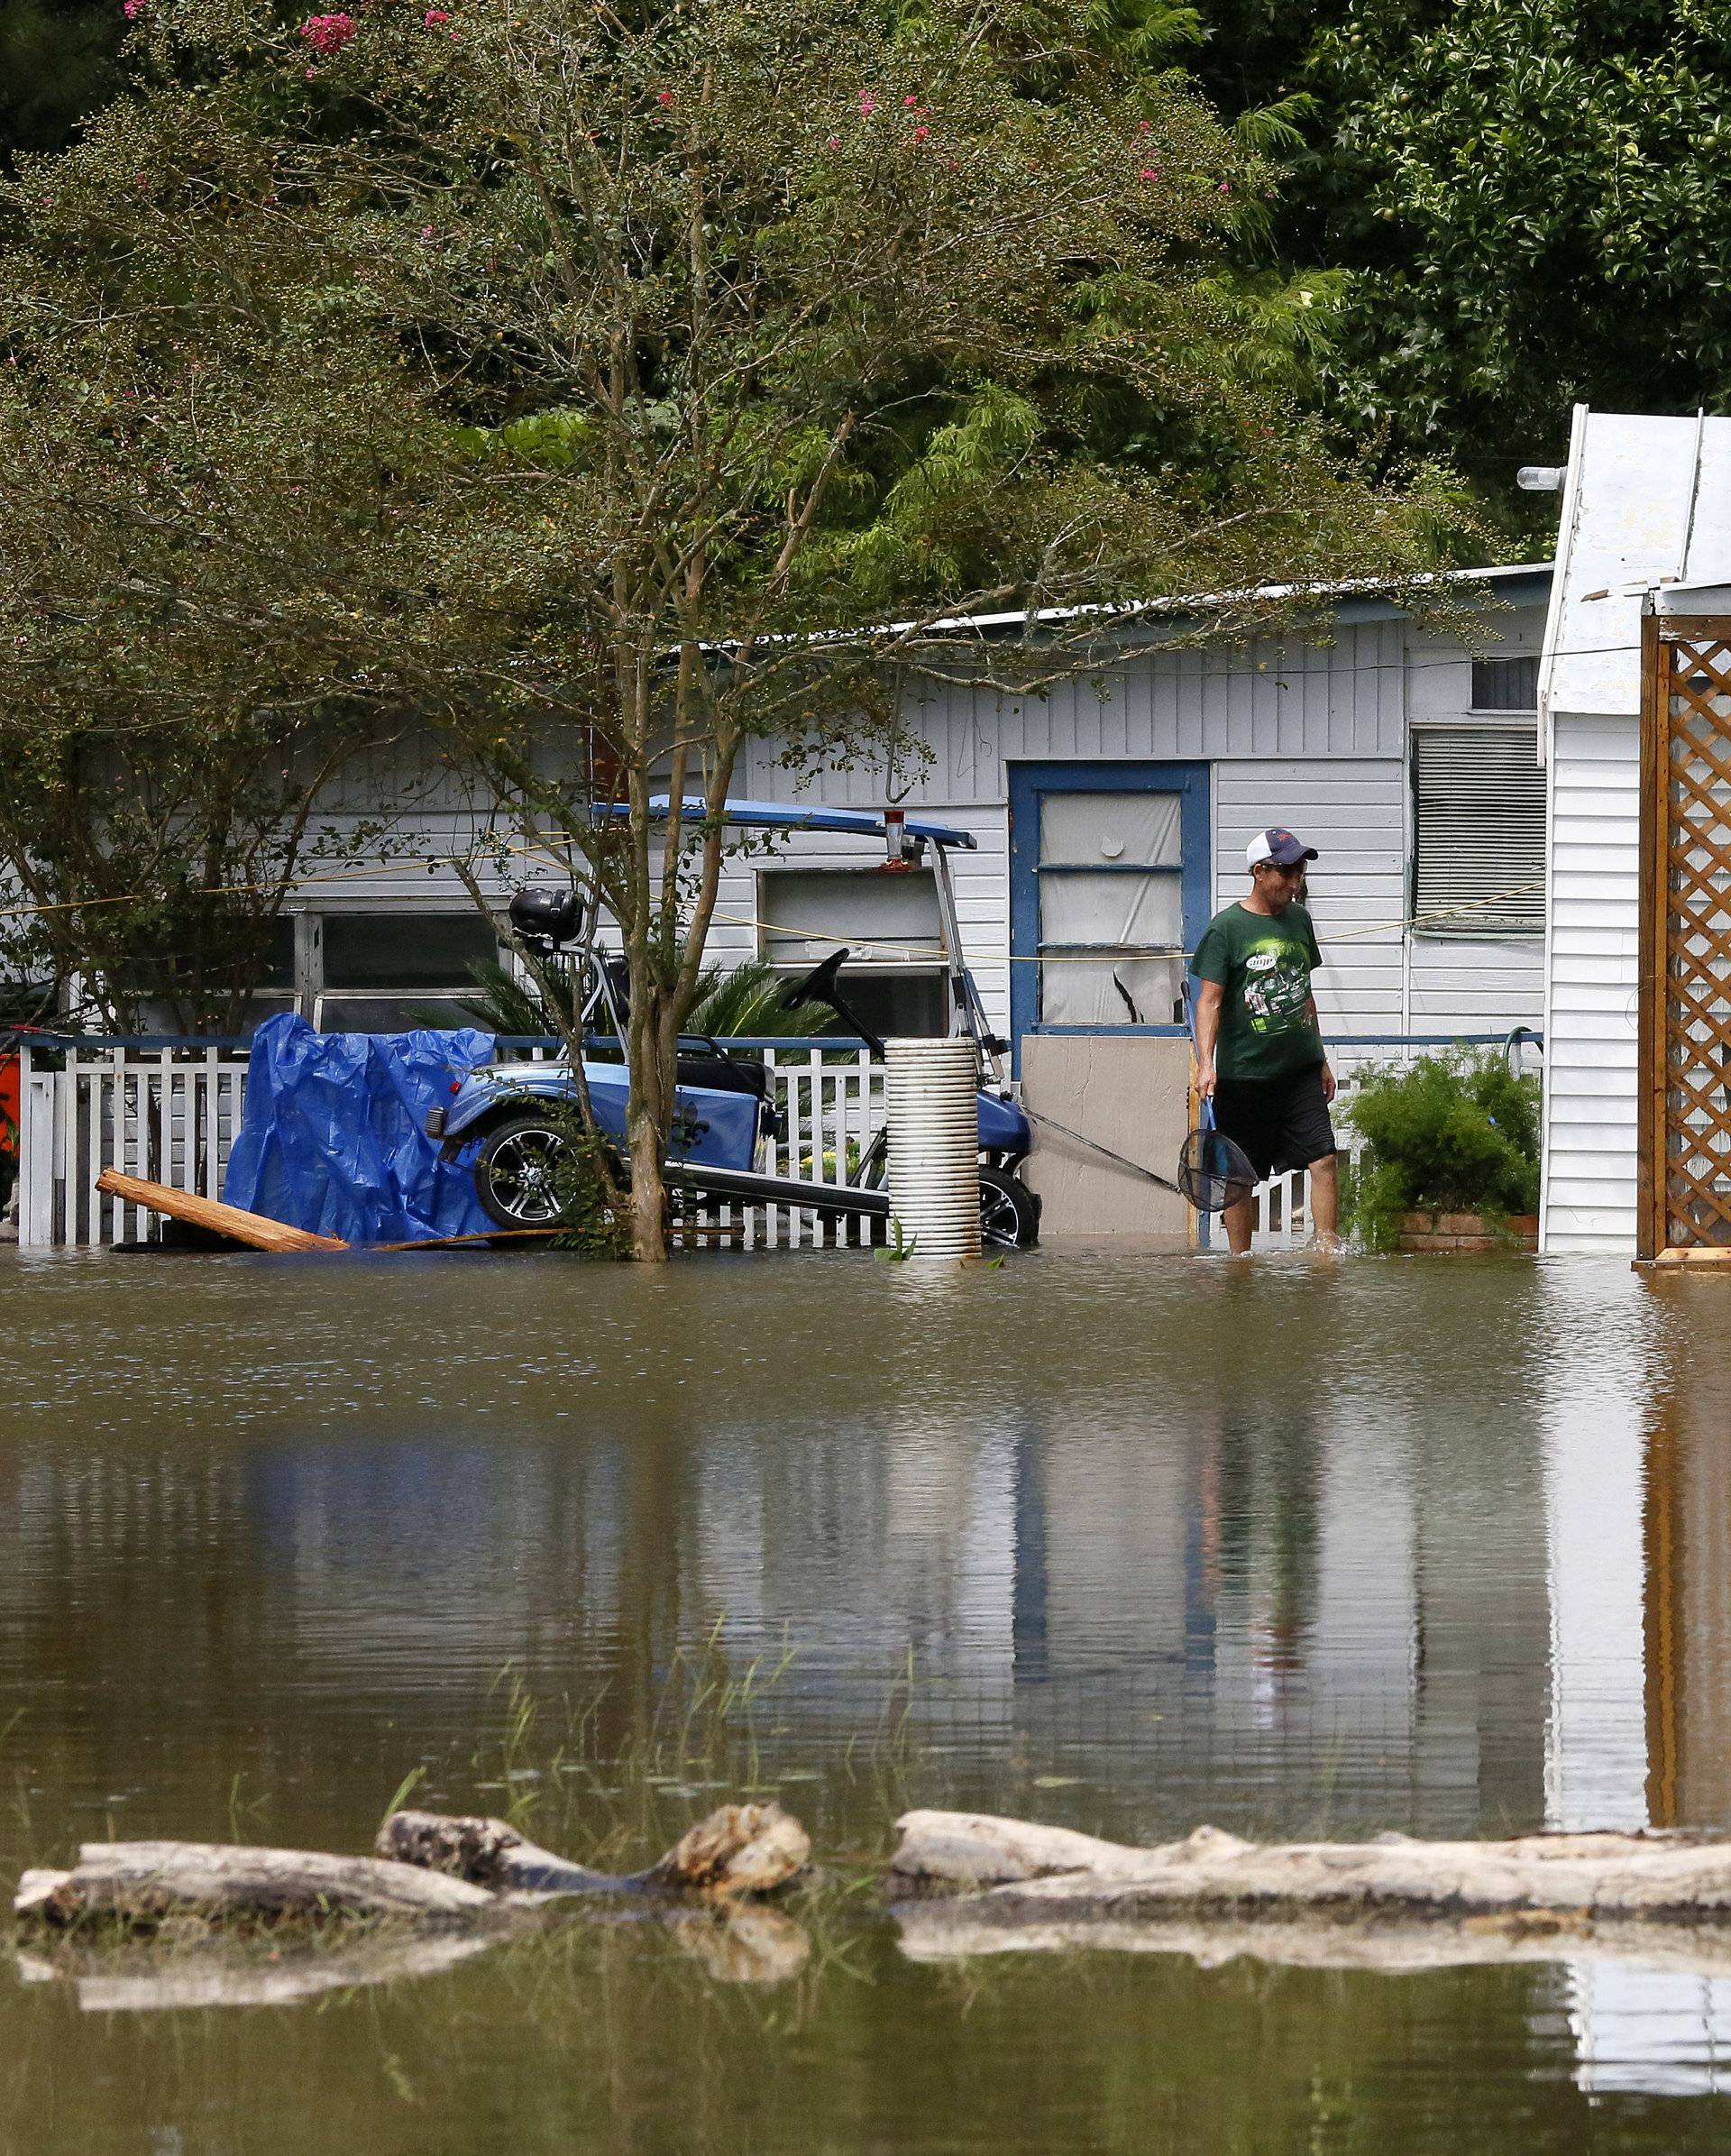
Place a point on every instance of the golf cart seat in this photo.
(702, 1061)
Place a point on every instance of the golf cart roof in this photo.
(809, 816)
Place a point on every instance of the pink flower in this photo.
(912, 103)
(427, 234)
(867, 105)
(664, 96)
(835, 141)
(132, 9)
(919, 133)
(1151, 172)
(1225, 187)
(1146, 127)
(328, 33)
(433, 15)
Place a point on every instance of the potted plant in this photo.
(1451, 1155)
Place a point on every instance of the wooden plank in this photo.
(251, 1228)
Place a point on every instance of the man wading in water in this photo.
(1258, 1040)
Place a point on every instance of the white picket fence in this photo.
(171, 1115)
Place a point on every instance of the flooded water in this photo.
(1121, 1543)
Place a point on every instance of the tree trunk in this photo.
(146, 1881)
(1052, 1873)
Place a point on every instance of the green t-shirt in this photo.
(1263, 961)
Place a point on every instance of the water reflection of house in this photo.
(1639, 1506)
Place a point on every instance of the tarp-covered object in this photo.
(333, 1136)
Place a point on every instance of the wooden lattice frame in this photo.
(1685, 1003)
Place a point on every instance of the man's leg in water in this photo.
(1325, 1202)
(1238, 1226)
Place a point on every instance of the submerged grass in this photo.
(611, 1788)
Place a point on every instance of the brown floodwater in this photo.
(1122, 1544)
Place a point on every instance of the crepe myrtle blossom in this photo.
(433, 15)
(328, 34)
(132, 9)
(664, 96)
(867, 105)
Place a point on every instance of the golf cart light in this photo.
(436, 1123)
(1539, 479)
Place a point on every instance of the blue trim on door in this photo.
(1029, 784)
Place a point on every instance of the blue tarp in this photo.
(333, 1136)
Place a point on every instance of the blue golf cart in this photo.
(510, 1120)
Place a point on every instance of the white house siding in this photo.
(1593, 908)
(1353, 811)
(1315, 736)
(1309, 735)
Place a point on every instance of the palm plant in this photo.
(745, 1000)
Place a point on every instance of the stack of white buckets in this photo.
(930, 1093)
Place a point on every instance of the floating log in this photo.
(254, 1229)
(486, 1853)
(1050, 1873)
(739, 1849)
(143, 1882)
(430, 1867)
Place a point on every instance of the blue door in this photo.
(1109, 892)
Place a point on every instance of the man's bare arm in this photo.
(1208, 1009)
(1328, 1075)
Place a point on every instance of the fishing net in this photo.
(1212, 1172)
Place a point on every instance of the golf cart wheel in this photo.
(1008, 1211)
(522, 1173)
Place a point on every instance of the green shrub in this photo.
(1457, 1133)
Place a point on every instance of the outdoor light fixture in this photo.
(1539, 479)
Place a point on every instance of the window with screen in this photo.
(1479, 831)
(382, 972)
(889, 921)
(1506, 684)
(1111, 908)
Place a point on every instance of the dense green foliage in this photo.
(1459, 1133)
(1466, 216)
(1514, 203)
(57, 62)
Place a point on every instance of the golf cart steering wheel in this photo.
(819, 986)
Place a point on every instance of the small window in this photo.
(385, 972)
(887, 918)
(1479, 847)
(1506, 684)
(405, 949)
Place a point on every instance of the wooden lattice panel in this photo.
(1687, 935)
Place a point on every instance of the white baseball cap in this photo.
(1278, 844)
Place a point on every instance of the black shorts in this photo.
(1281, 1122)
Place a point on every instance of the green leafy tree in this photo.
(1516, 206)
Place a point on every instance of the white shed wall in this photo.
(1588, 1202)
